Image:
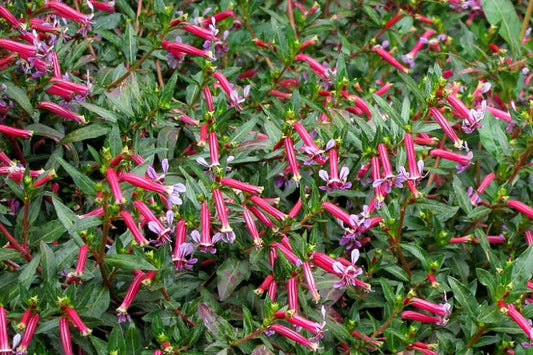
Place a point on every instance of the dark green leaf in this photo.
(84, 183)
(168, 91)
(503, 14)
(460, 194)
(523, 267)
(229, 275)
(133, 342)
(493, 138)
(19, 95)
(129, 262)
(48, 264)
(28, 272)
(117, 341)
(88, 132)
(101, 112)
(464, 297)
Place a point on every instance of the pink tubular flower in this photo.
(208, 99)
(64, 334)
(320, 70)
(274, 212)
(292, 294)
(133, 289)
(481, 188)
(25, 51)
(252, 228)
(409, 57)
(207, 34)
(213, 149)
(424, 348)
(529, 238)
(348, 273)
(310, 279)
(420, 317)
(264, 285)
(500, 114)
(384, 54)
(521, 321)
(310, 146)
(28, 334)
(112, 179)
(521, 207)
(8, 16)
(61, 111)
(337, 212)
(261, 217)
(80, 266)
(383, 89)
(173, 192)
(71, 86)
(359, 102)
(15, 132)
(234, 97)
(67, 12)
(204, 241)
(76, 320)
(103, 6)
(242, 186)
(4, 339)
(132, 226)
(415, 168)
(178, 48)
(335, 180)
(447, 128)
(291, 334)
(389, 179)
(295, 209)
(291, 157)
(463, 160)
(442, 309)
(227, 232)
(182, 250)
(219, 16)
(293, 258)
(272, 290)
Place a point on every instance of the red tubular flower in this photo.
(208, 99)
(264, 285)
(460, 107)
(114, 184)
(24, 50)
(420, 317)
(203, 134)
(359, 102)
(67, 12)
(28, 334)
(103, 6)
(24, 319)
(242, 186)
(316, 67)
(262, 217)
(64, 93)
(15, 132)
(133, 289)
(178, 48)
(61, 111)
(45, 179)
(310, 279)
(4, 338)
(311, 41)
(420, 43)
(76, 320)
(69, 85)
(463, 160)
(213, 149)
(424, 348)
(292, 294)
(521, 207)
(442, 310)
(520, 321)
(383, 89)
(252, 228)
(232, 94)
(446, 127)
(291, 157)
(64, 334)
(220, 205)
(295, 209)
(171, 191)
(291, 334)
(384, 159)
(382, 52)
(204, 241)
(415, 172)
(201, 32)
(219, 16)
(481, 188)
(80, 266)
(500, 114)
(337, 212)
(132, 226)
(529, 237)
(8, 16)
(272, 290)
(274, 212)
(293, 258)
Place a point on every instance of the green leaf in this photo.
(88, 132)
(19, 95)
(167, 138)
(101, 112)
(130, 44)
(487, 279)
(493, 138)
(240, 134)
(67, 218)
(99, 345)
(465, 298)
(29, 272)
(503, 14)
(85, 184)
(229, 275)
(97, 300)
(523, 267)
(168, 91)
(133, 341)
(45, 131)
(116, 343)
(48, 264)
(129, 262)
(6, 254)
(48, 233)
(460, 194)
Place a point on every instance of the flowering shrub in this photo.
(266, 177)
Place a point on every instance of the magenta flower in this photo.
(291, 334)
(204, 240)
(390, 178)
(226, 232)
(64, 334)
(335, 180)
(133, 289)
(463, 160)
(348, 273)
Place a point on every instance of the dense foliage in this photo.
(266, 177)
